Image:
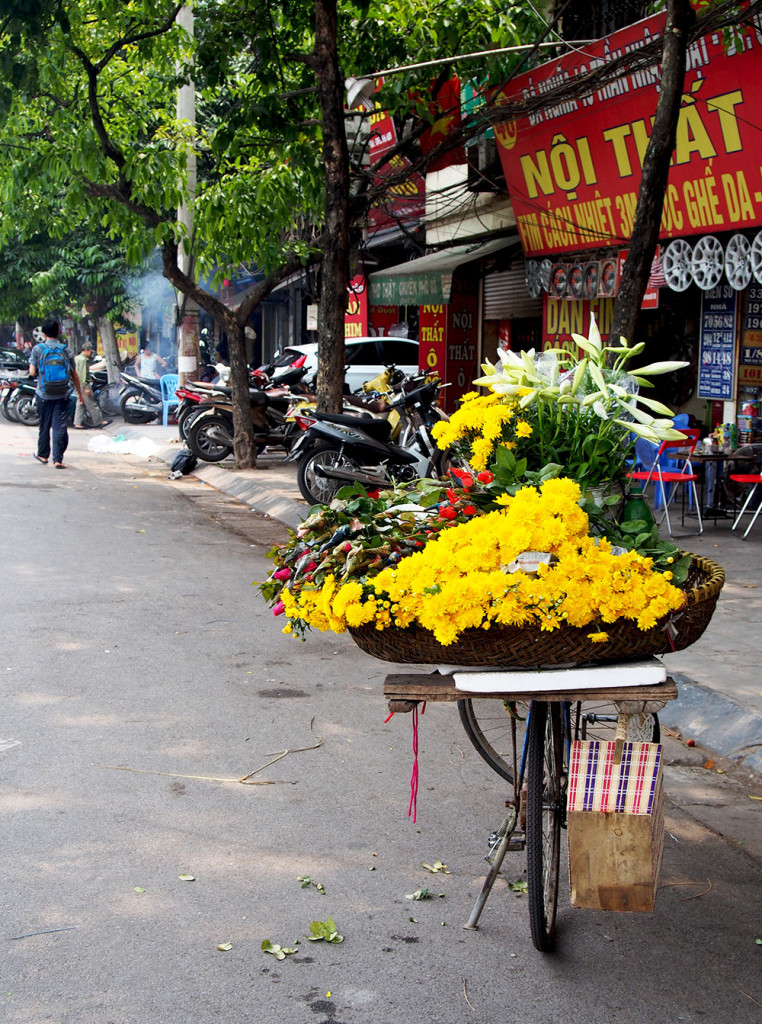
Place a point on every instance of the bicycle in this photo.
(527, 741)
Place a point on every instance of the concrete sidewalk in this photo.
(720, 684)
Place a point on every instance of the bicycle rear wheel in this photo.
(496, 729)
(545, 808)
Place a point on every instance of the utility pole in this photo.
(187, 327)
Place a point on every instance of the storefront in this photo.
(446, 288)
(573, 171)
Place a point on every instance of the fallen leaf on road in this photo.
(709, 764)
(224, 946)
(187, 878)
(307, 882)
(423, 894)
(435, 867)
(279, 952)
(324, 930)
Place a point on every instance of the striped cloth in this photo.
(596, 783)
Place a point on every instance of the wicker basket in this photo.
(526, 646)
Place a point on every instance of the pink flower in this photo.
(282, 574)
(279, 608)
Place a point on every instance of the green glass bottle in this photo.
(636, 507)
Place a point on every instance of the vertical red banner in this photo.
(432, 327)
(462, 338)
(356, 316)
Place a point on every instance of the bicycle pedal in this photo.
(517, 842)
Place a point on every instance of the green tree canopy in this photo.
(90, 137)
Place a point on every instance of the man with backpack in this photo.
(53, 365)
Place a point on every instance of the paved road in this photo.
(141, 680)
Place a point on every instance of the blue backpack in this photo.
(54, 371)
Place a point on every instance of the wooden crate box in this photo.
(616, 825)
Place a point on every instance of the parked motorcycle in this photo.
(210, 435)
(336, 449)
(108, 396)
(22, 403)
(196, 397)
(140, 400)
(7, 389)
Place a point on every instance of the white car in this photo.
(365, 358)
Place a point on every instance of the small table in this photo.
(714, 497)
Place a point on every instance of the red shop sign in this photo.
(573, 170)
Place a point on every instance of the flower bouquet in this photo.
(518, 558)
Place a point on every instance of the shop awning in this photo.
(427, 280)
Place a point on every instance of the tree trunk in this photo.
(110, 348)
(333, 291)
(653, 185)
(243, 441)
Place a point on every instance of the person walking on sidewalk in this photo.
(82, 366)
(52, 364)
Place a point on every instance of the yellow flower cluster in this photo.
(462, 579)
(480, 420)
(331, 607)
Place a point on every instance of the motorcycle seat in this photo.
(378, 429)
(375, 405)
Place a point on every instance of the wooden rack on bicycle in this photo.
(404, 690)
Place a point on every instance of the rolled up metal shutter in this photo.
(506, 297)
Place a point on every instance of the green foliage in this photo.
(91, 139)
(44, 274)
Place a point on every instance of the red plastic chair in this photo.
(683, 475)
(747, 478)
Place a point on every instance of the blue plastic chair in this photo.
(645, 453)
(169, 383)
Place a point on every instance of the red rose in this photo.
(469, 510)
(448, 513)
(468, 481)
(485, 477)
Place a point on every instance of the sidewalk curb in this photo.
(716, 722)
(262, 495)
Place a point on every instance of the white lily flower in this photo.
(597, 376)
(654, 406)
(656, 368)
